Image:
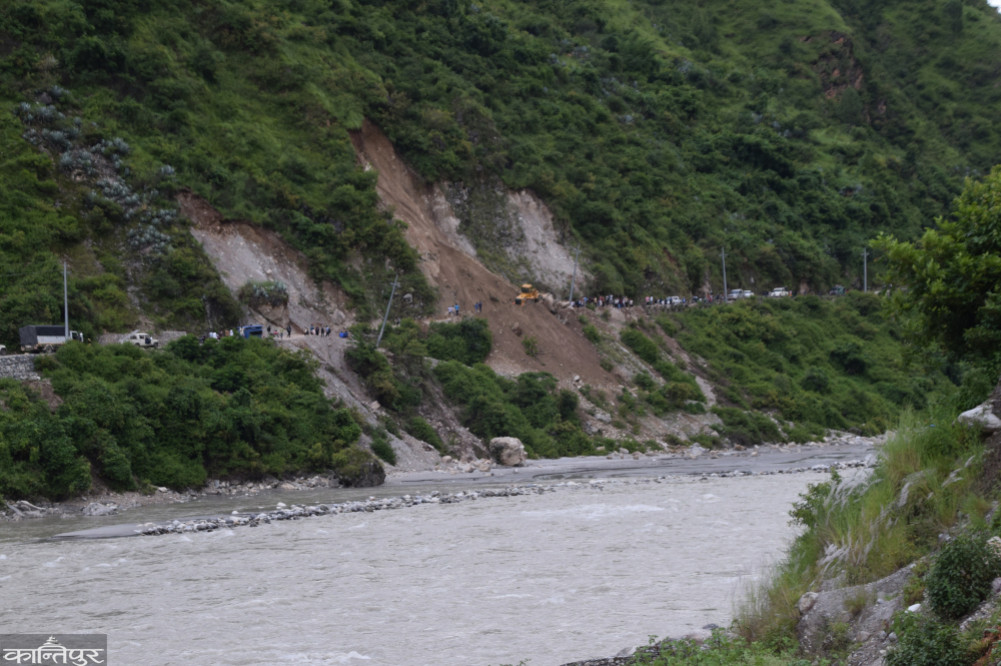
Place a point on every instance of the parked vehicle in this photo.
(45, 338)
(779, 292)
(735, 294)
(674, 301)
(252, 331)
(837, 290)
(140, 339)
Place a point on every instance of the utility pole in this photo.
(573, 279)
(723, 255)
(386, 316)
(865, 270)
(66, 306)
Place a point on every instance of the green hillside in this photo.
(658, 132)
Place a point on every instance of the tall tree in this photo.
(951, 278)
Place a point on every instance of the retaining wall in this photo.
(18, 366)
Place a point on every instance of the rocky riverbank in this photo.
(689, 461)
(283, 511)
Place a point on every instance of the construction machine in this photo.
(528, 293)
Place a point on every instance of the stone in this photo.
(983, 417)
(806, 602)
(99, 509)
(508, 451)
(695, 451)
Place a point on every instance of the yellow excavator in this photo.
(528, 293)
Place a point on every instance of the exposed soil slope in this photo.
(448, 261)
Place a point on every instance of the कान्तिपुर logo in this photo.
(49, 649)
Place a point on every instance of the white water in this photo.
(579, 573)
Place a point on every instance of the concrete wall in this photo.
(18, 366)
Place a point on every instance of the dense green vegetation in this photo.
(530, 407)
(229, 408)
(814, 363)
(788, 133)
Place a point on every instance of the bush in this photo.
(423, 431)
(468, 342)
(643, 346)
(961, 575)
(382, 448)
(925, 642)
(255, 294)
(746, 428)
(531, 346)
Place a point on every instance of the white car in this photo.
(779, 292)
(144, 340)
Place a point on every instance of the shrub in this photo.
(960, 578)
(925, 642)
(423, 431)
(643, 346)
(468, 342)
(746, 428)
(381, 446)
(256, 294)
(531, 346)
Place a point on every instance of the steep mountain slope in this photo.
(646, 135)
(242, 252)
(655, 133)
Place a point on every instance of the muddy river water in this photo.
(614, 555)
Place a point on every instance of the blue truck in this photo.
(252, 331)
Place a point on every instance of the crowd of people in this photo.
(669, 302)
(279, 332)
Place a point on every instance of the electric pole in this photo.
(66, 306)
(723, 255)
(386, 316)
(865, 270)
(573, 279)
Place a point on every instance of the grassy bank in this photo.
(928, 482)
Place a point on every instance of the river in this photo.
(600, 564)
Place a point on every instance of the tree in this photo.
(951, 278)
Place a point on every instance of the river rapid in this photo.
(597, 565)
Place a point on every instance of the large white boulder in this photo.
(508, 451)
(982, 416)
